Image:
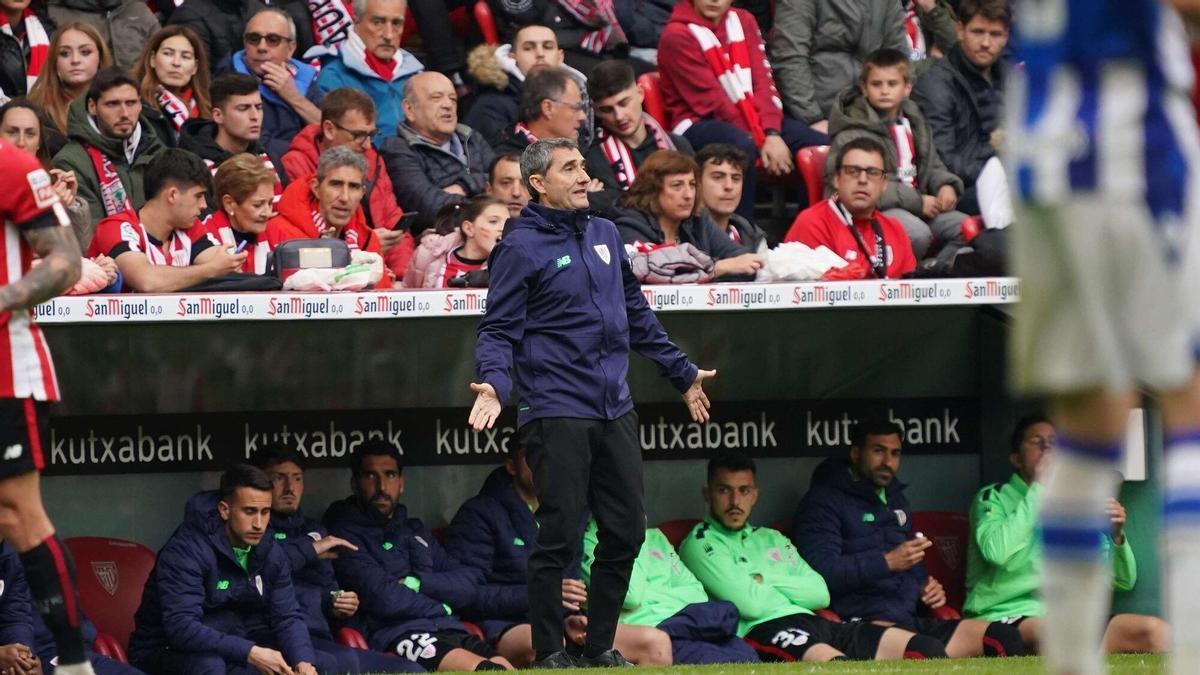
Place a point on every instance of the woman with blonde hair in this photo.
(173, 78)
(243, 189)
(77, 53)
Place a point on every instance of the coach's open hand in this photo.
(694, 397)
(487, 407)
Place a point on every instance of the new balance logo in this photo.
(13, 451)
(562, 262)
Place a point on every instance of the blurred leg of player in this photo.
(1181, 525)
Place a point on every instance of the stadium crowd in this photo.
(312, 120)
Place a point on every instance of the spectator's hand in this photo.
(776, 157)
(455, 189)
(746, 263)
(388, 238)
(486, 409)
(17, 659)
(279, 79)
(305, 669)
(326, 544)
(696, 399)
(926, 6)
(820, 125)
(108, 265)
(1116, 516)
(269, 662)
(576, 628)
(224, 262)
(595, 185)
(929, 207)
(65, 185)
(907, 555)
(947, 198)
(345, 605)
(574, 594)
(997, 139)
(933, 595)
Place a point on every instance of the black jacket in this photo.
(200, 136)
(962, 108)
(220, 24)
(419, 170)
(13, 58)
(699, 231)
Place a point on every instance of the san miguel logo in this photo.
(465, 302)
(820, 295)
(106, 574)
(384, 303)
(209, 307)
(114, 307)
(738, 297)
(297, 306)
(658, 299)
(906, 291)
(992, 289)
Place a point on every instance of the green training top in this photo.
(1004, 556)
(755, 568)
(242, 555)
(660, 585)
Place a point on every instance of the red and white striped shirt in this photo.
(28, 202)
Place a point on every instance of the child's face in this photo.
(886, 88)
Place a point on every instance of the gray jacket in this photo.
(419, 170)
(818, 48)
(853, 117)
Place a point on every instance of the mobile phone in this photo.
(241, 247)
(336, 594)
(407, 221)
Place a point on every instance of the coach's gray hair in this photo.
(360, 9)
(337, 157)
(536, 159)
(291, 23)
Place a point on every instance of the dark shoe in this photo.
(609, 659)
(559, 659)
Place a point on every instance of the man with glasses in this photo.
(850, 224)
(1004, 557)
(552, 106)
(291, 98)
(434, 161)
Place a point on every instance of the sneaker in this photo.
(609, 659)
(559, 659)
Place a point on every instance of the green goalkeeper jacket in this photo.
(1004, 556)
(756, 568)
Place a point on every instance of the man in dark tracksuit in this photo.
(407, 584)
(563, 303)
(220, 597)
(310, 548)
(854, 527)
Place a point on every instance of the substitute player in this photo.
(35, 224)
(1106, 162)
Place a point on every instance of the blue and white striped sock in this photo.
(1076, 581)
(1181, 541)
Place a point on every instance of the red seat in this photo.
(486, 22)
(652, 101)
(810, 162)
(946, 560)
(439, 533)
(828, 615)
(107, 645)
(676, 530)
(352, 638)
(111, 574)
(783, 525)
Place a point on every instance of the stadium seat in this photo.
(474, 630)
(652, 101)
(486, 22)
(107, 645)
(352, 638)
(810, 162)
(111, 574)
(783, 525)
(439, 533)
(946, 560)
(828, 615)
(676, 530)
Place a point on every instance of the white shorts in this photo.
(1102, 306)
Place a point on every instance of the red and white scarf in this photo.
(332, 23)
(349, 234)
(113, 194)
(731, 64)
(906, 152)
(357, 58)
(620, 155)
(523, 130)
(917, 49)
(213, 166)
(177, 109)
(39, 45)
(598, 14)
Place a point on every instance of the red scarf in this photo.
(112, 191)
(384, 69)
(731, 65)
(524, 131)
(598, 14)
(332, 21)
(620, 155)
(39, 45)
(178, 109)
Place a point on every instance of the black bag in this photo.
(237, 282)
(298, 254)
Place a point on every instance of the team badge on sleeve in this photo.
(42, 187)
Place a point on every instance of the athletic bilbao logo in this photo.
(948, 549)
(602, 251)
(106, 574)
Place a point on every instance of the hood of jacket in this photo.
(353, 53)
(410, 136)
(200, 136)
(537, 217)
(79, 128)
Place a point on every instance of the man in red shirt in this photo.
(35, 223)
(850, 224)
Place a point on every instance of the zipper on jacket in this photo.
(592, 295)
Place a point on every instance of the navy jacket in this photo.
(563, 303)
(199, 599)
(16, 602)
(389, 550)
(312, 578)
(843, 530)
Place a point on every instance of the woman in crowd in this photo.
(173, 76)
(244, 189)
(465, 236)
(24, 44)
(77, 53)
(661, 208)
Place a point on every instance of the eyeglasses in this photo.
(854, 171)
(273, 39)
(356, 136)
(577, 107)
